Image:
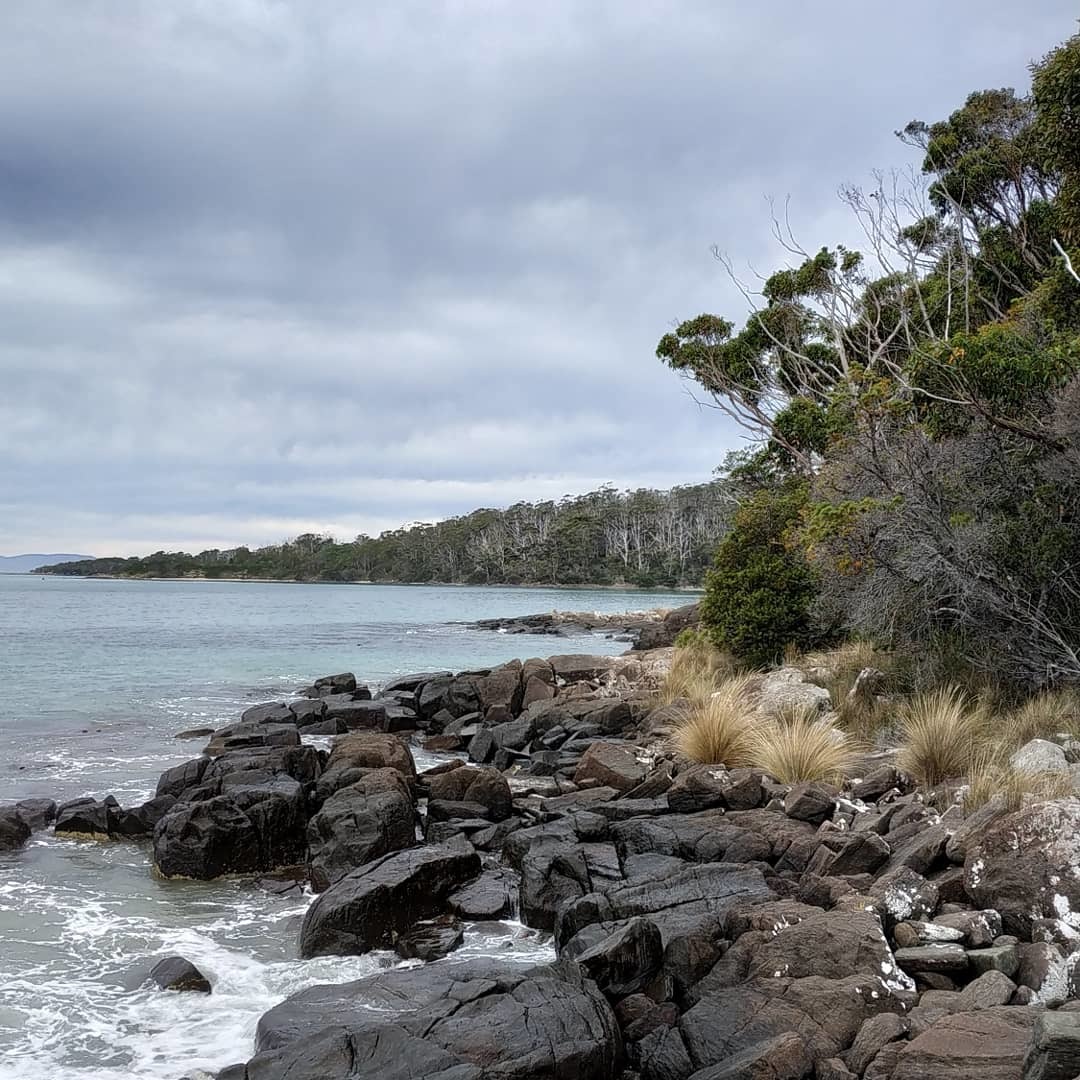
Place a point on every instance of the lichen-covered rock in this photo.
(1027, 865)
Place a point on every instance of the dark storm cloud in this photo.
(271, 266)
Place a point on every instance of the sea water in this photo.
(96, 677)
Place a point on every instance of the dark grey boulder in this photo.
(468, 784)
(431, 939)
(359, 823)
(176, 973)
(87, 818)
(1054, 1051)
(14, 830)
(271, 712)
(493, 895)
(37, 813)
(621, 960)
(372, 904)
(474, 1021)
(554, 873)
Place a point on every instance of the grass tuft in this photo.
(1041, 717)
(939, 731)
(800, 746)
(992, 775)
(698, 668)
(719, 729)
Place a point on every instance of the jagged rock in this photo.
(493, 895)
(344, 683)
(905, 895)
(875, 1033)
(140, 820)
(359, 823)
(1054, 1052)
(1025, 864)
(467, 784)
(783, 1057)
(356, 715)
(181, 778)
(14, 829)
(554, 873)
(613, 765)
(1001, 958)
(979, 928)
(706, 837)
(621, 960)
(579, 667)
(431, 939)
(826, 1014)
(367, 907)
(194, 733)
(502, 688)
(876, 783)
(176, 973)
(985, 1045)
(37, 813)
(813, 802)
(849, 853)
(972, 828)
(87, 818)
(257, 824)
(704, 787)
(250, 736)
(269, 712)
(454, 1022)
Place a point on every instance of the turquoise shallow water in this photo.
(97, 678)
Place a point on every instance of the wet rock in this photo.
(431, 939)
(985, 1045)
(372, 904)
(194, 733)
(249, 736)
(621, 960)
(141, 820)
(14, 830)
(37, 813)
(493, 895)
(468, 784)
(176, 973)
(257, 825)
(87, 818)
(181, 778)
(344, 683)
(270, 712)
(455, 1022)
(613, 765)
(358, 823)
(554, 873)
(356, 715)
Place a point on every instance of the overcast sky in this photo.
(271, 266)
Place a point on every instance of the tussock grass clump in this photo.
(719, 729)
(1041, 717)
(801, 746)
(864, 716)
(845, 661)
(697, 670)
(992, 775)
(939, 730)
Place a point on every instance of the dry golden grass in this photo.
(719, 730)
(697, 671)
(836, 670)
(845, 660)
(992, 775)
(940, 730)
(800, 747)
(1040, 717)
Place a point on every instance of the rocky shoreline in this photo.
(708, 924)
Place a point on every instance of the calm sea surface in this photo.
(97, 676)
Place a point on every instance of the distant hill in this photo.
(25, 564)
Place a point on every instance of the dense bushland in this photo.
(922, 398)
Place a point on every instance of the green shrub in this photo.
(758, 593)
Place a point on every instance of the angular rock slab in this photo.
(368, 907)
(452, 1022)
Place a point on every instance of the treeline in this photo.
(917, 407)
(643, 538)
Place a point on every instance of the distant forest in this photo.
(644, 538)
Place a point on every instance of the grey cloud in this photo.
(267, 266)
